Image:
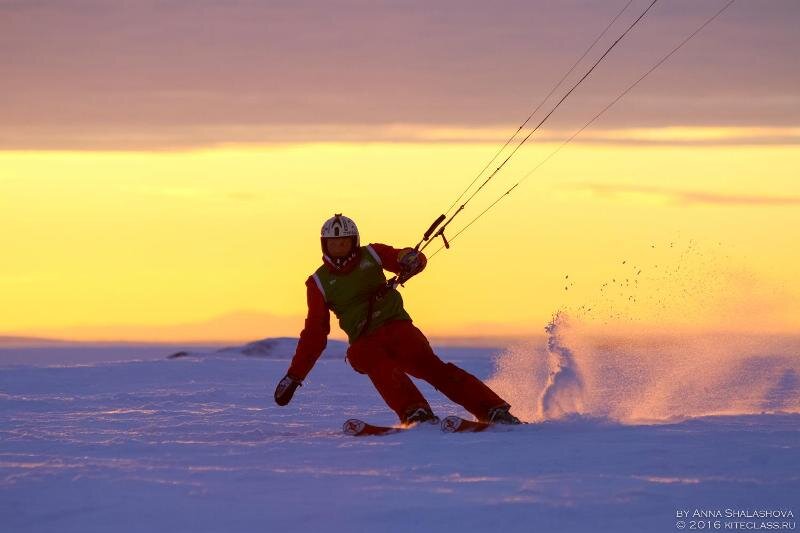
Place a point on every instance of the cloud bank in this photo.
(128, 75)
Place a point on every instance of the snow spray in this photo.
(602, 364)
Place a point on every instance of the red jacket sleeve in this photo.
(388, 256)
(314, 336)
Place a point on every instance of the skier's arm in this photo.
(400, 260)
(313, 340)
(314, 337)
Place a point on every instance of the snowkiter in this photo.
(384, 343)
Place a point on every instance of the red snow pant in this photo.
(398, 348)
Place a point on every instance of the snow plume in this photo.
(541, 383)
(562, 392)
(638, 348)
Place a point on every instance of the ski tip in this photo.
(451, 424)
(353, 426)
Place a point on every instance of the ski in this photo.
(359, 428)
(451, 424)
(456, 424)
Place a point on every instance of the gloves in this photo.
(285, 389)
(411, 262)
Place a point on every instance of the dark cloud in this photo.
(141, 69)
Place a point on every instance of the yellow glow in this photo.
(217, 244)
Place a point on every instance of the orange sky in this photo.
(143, 245)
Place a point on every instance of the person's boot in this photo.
(502, 415)
(420, 415)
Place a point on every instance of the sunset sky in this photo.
(165, 166)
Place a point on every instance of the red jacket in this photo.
(314, 336)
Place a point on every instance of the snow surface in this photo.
(197, 444)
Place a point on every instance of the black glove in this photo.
(285, 389)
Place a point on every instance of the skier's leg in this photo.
(367, 356)
(413, 354)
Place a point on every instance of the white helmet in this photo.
(335, 227)
(340, 226)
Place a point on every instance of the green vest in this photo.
(348, 295)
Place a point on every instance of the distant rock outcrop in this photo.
(270, 347)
